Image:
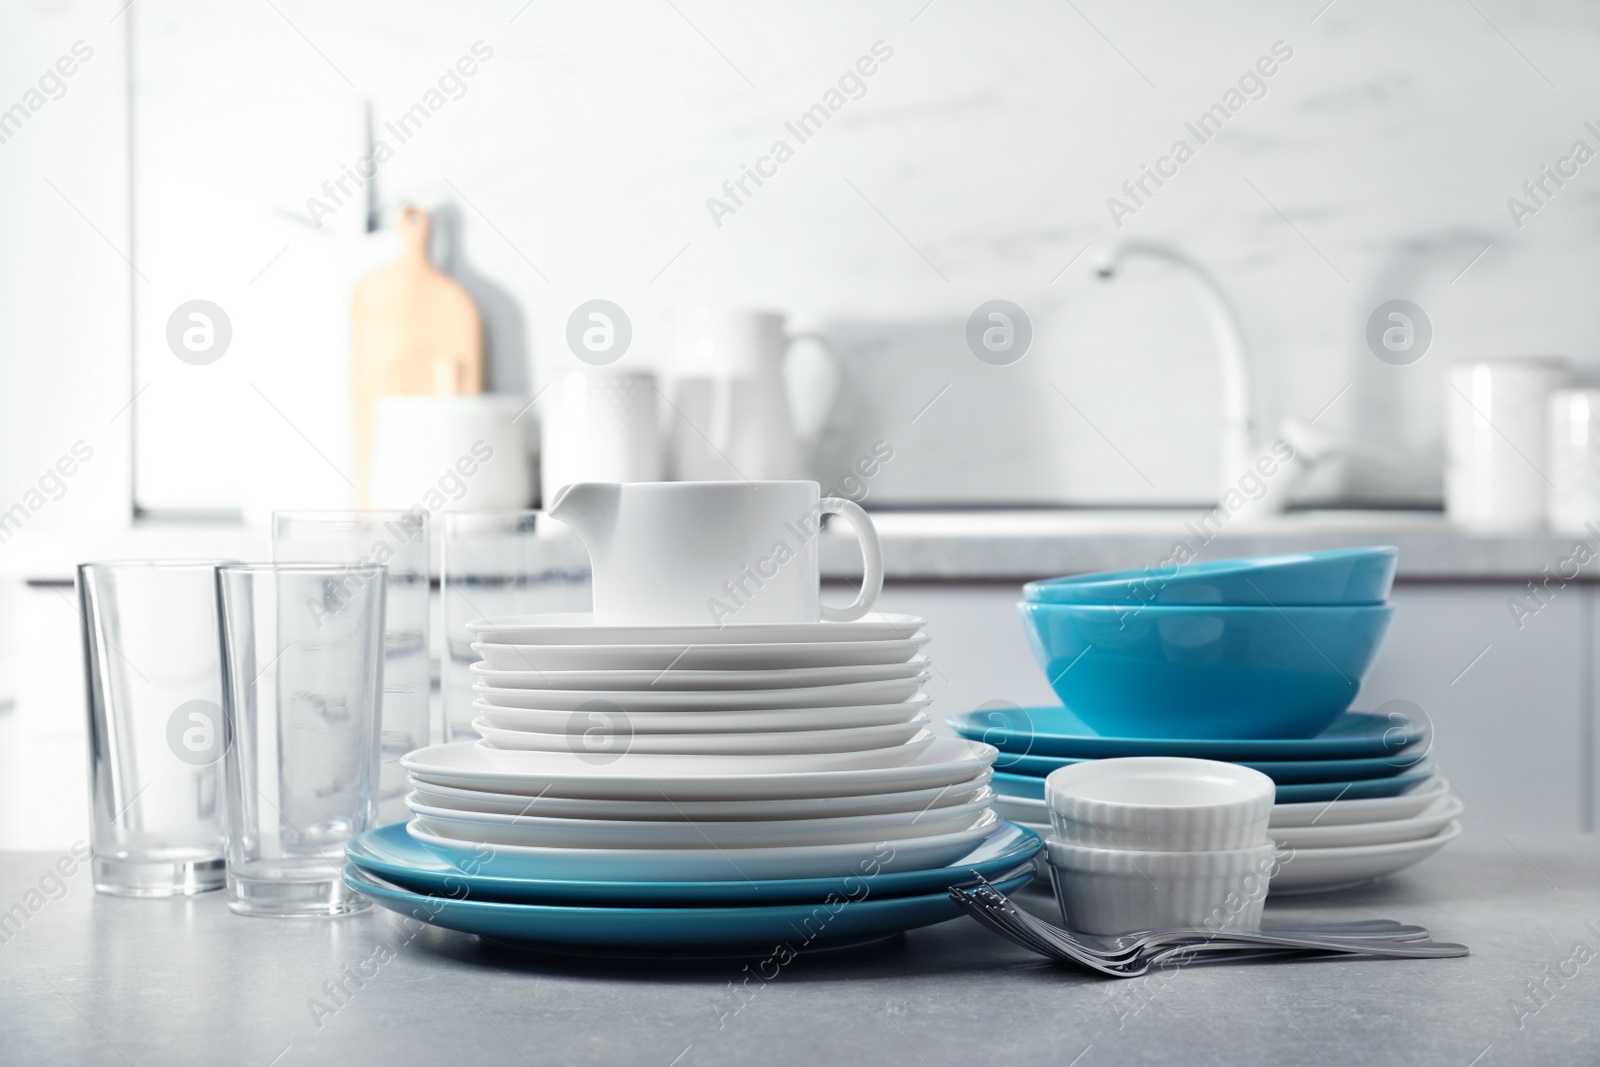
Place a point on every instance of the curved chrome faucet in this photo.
(1238, 427)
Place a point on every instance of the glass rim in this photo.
(378, 515)
(302, 567)
(155, 564)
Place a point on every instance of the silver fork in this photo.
(1126, 945)
(994, 910)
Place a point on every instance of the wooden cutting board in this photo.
(414, 331)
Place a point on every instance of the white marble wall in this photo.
(976, 164)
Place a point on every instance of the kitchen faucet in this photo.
(1238, 430)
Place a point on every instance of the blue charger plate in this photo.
(397, 857)
(1282, 772)
(776, 931)
(1056, 731)
(1031, 787)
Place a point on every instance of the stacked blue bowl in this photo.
(1252, 661)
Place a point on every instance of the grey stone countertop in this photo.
(972, 545)
(1022, 545)
(90, 979)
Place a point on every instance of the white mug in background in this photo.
(708, 553)
(735, 415)
(466, 450)
(599, 426)
(1573, 452)
(1495, 441)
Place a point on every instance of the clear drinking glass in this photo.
(302, 669)
(500, 563)
(155, 726)
(397, 540)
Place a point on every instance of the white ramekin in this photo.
(1112, 891)
(1159, 804)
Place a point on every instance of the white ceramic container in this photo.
(1572, 448)
(1114, 891)
(1495, 441)
(470, 452)
(599, 425)
(1159, 803)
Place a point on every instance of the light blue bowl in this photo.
(1205, 672)
(1344, 576)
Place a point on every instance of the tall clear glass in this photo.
(302, 667)
(497, 563)
(155, 726)
(397, 540)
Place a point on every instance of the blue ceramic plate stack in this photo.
(1252, 661)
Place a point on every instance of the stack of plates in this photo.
(1356, 802)
(693, 790)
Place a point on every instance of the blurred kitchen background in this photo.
(196, 153)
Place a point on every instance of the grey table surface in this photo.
(90, 979)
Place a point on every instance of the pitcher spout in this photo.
(590, 508)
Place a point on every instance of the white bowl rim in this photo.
(1251, 785)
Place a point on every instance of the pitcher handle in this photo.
(808, 431)
(871, 559)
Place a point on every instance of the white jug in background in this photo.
(737, 412)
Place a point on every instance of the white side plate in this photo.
(675, 679)
(619, 738)
(466, 765)
(821, 696)
(581, 629)
(763, 656)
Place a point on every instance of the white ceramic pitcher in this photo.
(698, 553)
(735, 414)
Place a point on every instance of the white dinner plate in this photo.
(467, 765)
(674, 679)
(715, 722)
(1372, 821)
(722, 865)
(762, 656)
(613, 700)
(1338, 812)
(541, 832)
(609, 750)
(767, 742)
(1319, 870)
(1431, 821)
(734, 810)
(581, 629)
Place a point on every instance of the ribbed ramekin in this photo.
(1113, 891)
(1159, 804)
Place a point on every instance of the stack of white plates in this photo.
(681, 759)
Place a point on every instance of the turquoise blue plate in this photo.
(1032, 788)
(775, 931)
(397, 857)
(1055, 731)
(1289, 772)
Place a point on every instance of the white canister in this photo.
(1572, 426)
(1495, 477)
(599, 426)
(463, 453)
